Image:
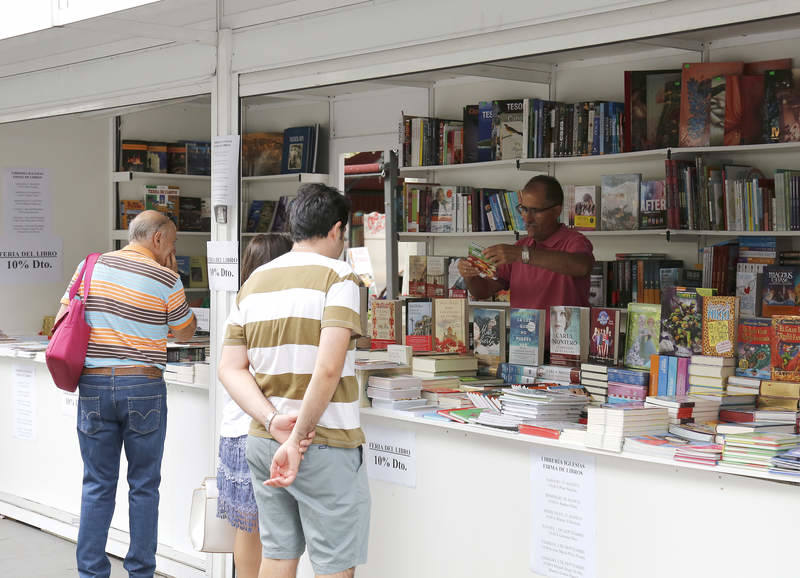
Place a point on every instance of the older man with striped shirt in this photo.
(135, 299)
(294, 323)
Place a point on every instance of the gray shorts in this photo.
(327, 507)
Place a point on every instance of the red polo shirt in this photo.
(535, 288)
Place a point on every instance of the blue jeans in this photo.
(114, 411)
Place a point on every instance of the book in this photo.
(297, 155)
(128, 210)
(714, 360)
(489, 335)
(134, 156)
(507, 119)
(262, 153)
(650, 107)
(788, 97)
(198, 276)
(156, 157)
(419, 324)
(417, 275)
(444, 364)
(619, 202)
(191, 215)
(443, 210)
(753, 350)
(785, 348)
(569, 335)
(450, 326)
(702, 96)
(456, 287)
(527, 335)
(652, 205)
(280, 220)
(385, 328)
(604, 326)
(265, 219)
(176, 158)
(164, 199)
(477, 259)
(586, 210)
(681, 321)
(198, 157)
(184, 263)
(644, 328)
(749, 290)
(781, 291)
(783, 389)
(253, 216)
(486, 150)
(470, 133)
(720, 318)
(436, 273)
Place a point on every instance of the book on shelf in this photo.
(385, 328)
(586, 207)
(507, 123)
(184, 263)
(134, 156)
(128, 209)
(164, 199)
(753, 350)
(444, 364)
(280, 219)
(443, 209)
(489, 335)
(470, 125)
(604, 336)
(598, 284)
(436, 272)
(681, 320)
(198, 276)
(652, 109)
(526, 337)
(569, 335)
(417, 275)
(720, 318)
(619, 202)
(781, 291)
(191, 215)
(456, 286)
(702, 117)
(156, 157)
(486, 150)
(785, 348)
(642, 336)
(262, 153)
(299, 149)
(198, 157)
(176, 158)
(450, 326)
(419, 324)
(652, 205)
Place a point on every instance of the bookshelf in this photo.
(125, 176)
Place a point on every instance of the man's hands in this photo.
(466, 269)
(285, 463)
(171, 262)
(502, 254)
(281, 428)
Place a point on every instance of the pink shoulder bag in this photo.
(66, 351)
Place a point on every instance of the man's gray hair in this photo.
(144, 226)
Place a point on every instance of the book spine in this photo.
(672, 379)
(663, 374)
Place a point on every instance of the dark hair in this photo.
(263, 249)
(315, 210)
(553, 192)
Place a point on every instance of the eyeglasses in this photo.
(525, 211)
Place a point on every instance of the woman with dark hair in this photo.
(236, 502)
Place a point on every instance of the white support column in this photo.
(224, 121)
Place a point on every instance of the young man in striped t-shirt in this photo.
(294, 322)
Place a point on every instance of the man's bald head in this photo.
(146, 224)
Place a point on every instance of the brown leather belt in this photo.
(146, 370)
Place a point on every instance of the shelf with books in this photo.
(289, 178)
(504, 164)
(489, 304)
(536, 440)
(124, 176)
(460, 234)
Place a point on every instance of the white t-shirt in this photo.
(235, 422)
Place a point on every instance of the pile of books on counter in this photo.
(188, 373)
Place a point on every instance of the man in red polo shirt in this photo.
(550, 266)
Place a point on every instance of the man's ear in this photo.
(335, 232)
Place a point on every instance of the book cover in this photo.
(619, 196)
(450, 326)
(652, 205)
(198, 157)
(471, 133)
(788, 96)
(485, 129)
(385, 329)
(780, 293)
(417, 275)
(776, 83)
(253, 216)
(164, 199)
(262, 153)
(128, 210)
(198, 275)
(785, 350)
(456, 286)
(744, 103)
(681, 321)
(264, 223)
(297, 149)
(419, 324)
(156, 157)
(720, 318)
(702, 95)
(184, 269)
(477, 259)
(489, 335)
(644, 327)
(507, 129)
(753, 348)
(526, 340)
(569, 335)
(176, 158)
(443, 210)
(604, 336)
(134, 156)
(748, 290)
(587, 207)
(436, 276)
(598, 284)
(280, 220)
(647, 103)
(191, 214)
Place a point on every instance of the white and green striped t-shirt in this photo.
(279, 314)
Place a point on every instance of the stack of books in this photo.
(567, 431)
(779, 395)
(446, 398)
(179, 372)
(399, 392)
(654, 445)
(743, 385)
(627, 385)
(734, 421)
(755, 451)
(708, 375)
(431, 366)
(530, 405)
(533, 374)
(705, 453)
(480, 383)
(787, 463)
(679, 408)
(594, 379)
(609, 426)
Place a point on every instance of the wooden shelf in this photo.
(289, 178)
(124, 176)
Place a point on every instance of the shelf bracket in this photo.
(669, 238)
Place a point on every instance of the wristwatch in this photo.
(526, 255)
(271, 417)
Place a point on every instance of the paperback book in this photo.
(652, 205)
(619, 202)
(450, 326)
(781, 292)
(785, 353)
(703, 102)
(477, 259)
(456, 286)
(753, 348)
(164, 199)
(443, 210)
(587, 207)
(417, 275)
(262, 153)
(644, 327)
(419, 324)
(681, 321)
(507, 129)
(604, 336)
(569, 335)
(436, 277)
(526, 342)
(720, 318)
(385, 329)
(489, 335)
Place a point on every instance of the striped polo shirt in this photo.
(133, 301)
(278, 315)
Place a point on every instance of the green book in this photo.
(644, 330)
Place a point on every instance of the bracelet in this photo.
(268, 423)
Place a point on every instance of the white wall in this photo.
(76, 153)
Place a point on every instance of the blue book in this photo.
(497, 213)
(628, 376)
(253, 216)
(663, 374)
(485, 127)
(184, 268)
(672, 378)
(298, 150)
(526, 338)
(198, 157)
(513, 198)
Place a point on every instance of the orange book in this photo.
(653, 387)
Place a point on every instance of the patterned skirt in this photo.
(236, 502)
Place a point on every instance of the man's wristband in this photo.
(526, 256)
(268, 423)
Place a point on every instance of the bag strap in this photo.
(85, 275)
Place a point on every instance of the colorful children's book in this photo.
(477, 259)
(785, 353)
(681, 320)
(644, 328)
(526, 342)
(419, 324)
(569, 335)
(489, 335)
(781, 291)
(753, 348)
(619, 202)
(450, 326)
(604, 326)
(385, 328)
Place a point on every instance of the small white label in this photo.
(391, 455)
(724, 346)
